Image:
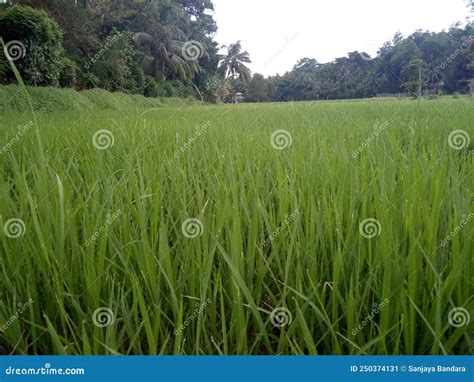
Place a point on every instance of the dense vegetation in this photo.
(166, 48)
(134, 46)
(422, 63)
(100, 259)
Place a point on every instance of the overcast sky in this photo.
(277, 33)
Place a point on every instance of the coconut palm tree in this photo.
(160, 47)
(232, 64)
(160, 58)
(232, 67)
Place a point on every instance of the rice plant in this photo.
(340, 227)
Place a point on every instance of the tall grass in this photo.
(276, 229)
(12, 98)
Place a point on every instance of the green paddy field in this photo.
(332, 227)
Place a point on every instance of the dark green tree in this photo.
(34, 42)
(257, 90)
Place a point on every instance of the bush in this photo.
(34, 41)
(67, 77)
(215, 90)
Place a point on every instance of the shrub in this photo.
(38, 40)
(68, 73)
(215, 90)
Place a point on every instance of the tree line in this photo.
(166, 48)
(151, 47)
(424, 63)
